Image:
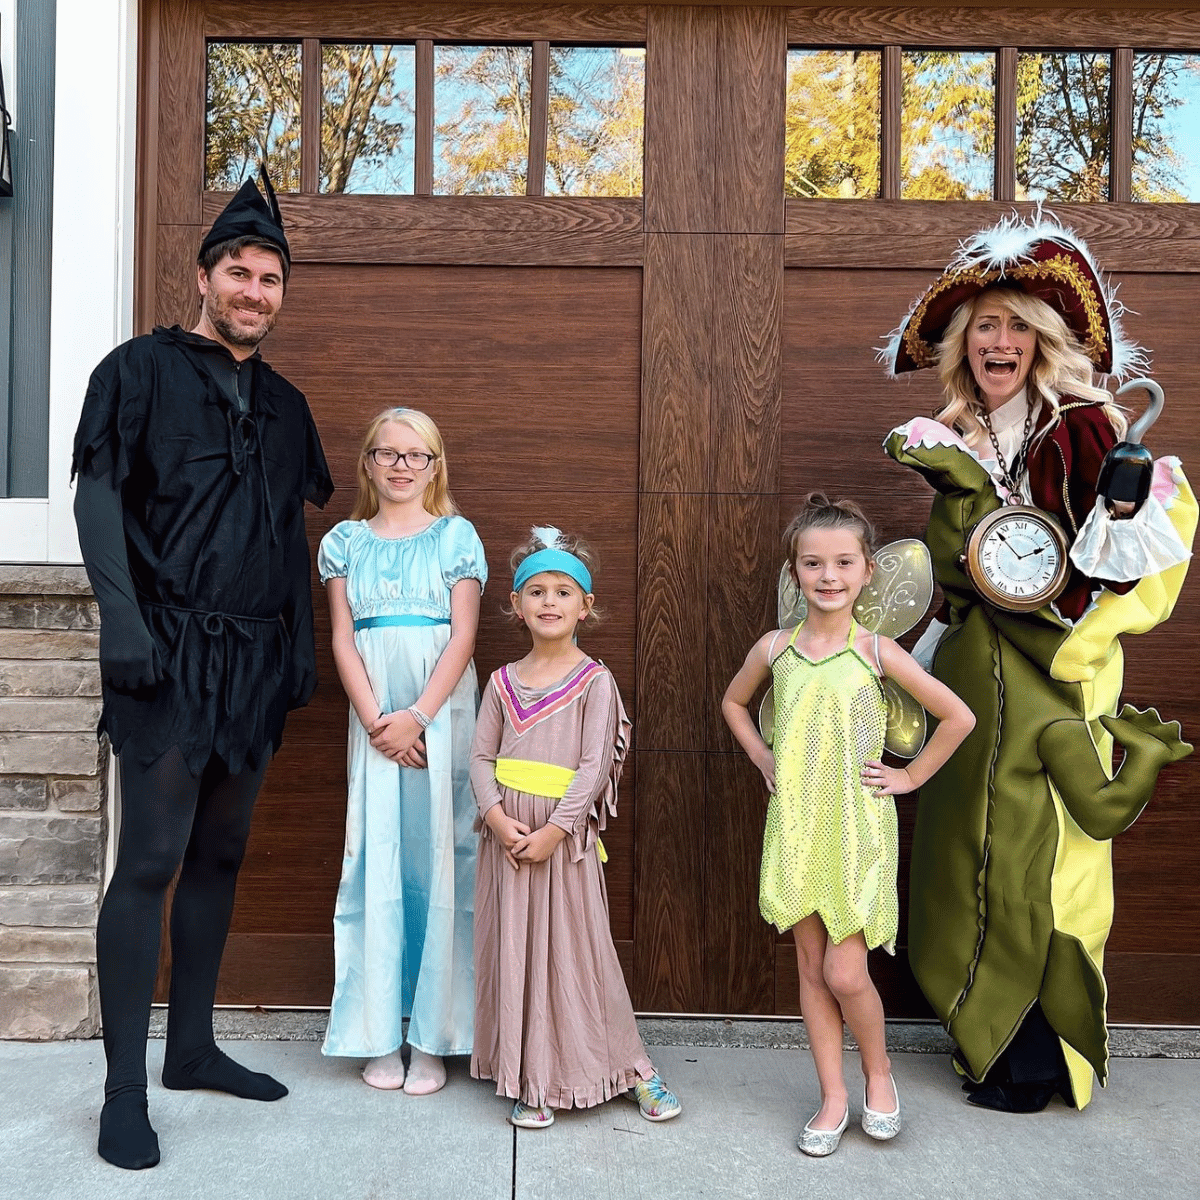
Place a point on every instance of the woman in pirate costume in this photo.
(1011, 898)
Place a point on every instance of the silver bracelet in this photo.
(420, 718)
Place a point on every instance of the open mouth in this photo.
(1000, 368)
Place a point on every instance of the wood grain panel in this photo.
(739, 946)
(747, 305)
(498, 230)
(312, 218)
(146, 198)
(176, 296)
(1082, 24)
(682, 47)
(750, 118)
(383, 20)
(677, 363)
(180, 98)
(744, 557)
(669, 904)
(301, 972)
(1158, 989)
(924, 234)
(672, 606)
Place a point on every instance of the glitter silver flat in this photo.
(881, 1126)
(817, 1143)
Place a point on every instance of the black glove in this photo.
(128, 657)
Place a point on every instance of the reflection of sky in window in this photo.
(594, 142)
(252, 111)
(481, 99)
(1178, 88)
(382, 161)
(950, 158)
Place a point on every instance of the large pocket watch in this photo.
(1016, 557)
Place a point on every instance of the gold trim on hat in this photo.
(1061, 269)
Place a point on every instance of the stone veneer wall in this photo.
(53, 810)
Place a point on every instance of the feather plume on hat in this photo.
(1040, 256)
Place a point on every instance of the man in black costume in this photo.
(194, 460)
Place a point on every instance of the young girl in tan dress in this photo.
(830, 849)
(554, 1026)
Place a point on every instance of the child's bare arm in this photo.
(736, 711)
(955, 721)
(348, 661)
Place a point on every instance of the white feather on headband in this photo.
(1003, 246)
(550, 537)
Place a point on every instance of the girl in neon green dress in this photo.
(829, 853)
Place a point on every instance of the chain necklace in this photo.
(1010, 477)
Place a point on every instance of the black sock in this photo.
(215, 1070)
(126, 1137)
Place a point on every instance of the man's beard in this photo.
(220, 318)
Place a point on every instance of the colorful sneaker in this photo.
(656, 1101)
(526, 1116)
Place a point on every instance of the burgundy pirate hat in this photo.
(1041, 257)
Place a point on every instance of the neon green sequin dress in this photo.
(830, 845)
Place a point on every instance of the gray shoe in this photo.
(817, 1143)
(879, 1125)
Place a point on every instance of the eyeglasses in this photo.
(381, 456)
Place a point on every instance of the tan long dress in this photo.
(553, 1021)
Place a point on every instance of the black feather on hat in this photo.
(248, 214)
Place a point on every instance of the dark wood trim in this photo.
(423, 167)
(891, 82)
(146, 199)
(310, 116)
(539, 112)
(1005, 181)
(1120, 167)
(960, 26)
(385, 21)
(923, 233)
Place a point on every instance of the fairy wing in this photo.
(897, 597)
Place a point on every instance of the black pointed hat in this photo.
(248, 214)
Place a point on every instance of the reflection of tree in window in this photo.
(367, 118)
(594, 140)
(1166, 127)
(1063, 126)
(253, 113)
(831, 147)
(481, 109)
(948, 125)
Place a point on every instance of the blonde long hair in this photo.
(1060, 367)
(437, 498)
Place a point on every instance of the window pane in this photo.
(594, 140)
(1166, 127)
(252, 113)
(832, 133)
(948, 123)
(1063, 108)
(368, 109)
(481, 119)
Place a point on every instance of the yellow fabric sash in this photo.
(534, 778)
(538, 779)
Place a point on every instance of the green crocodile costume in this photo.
(1011, 898)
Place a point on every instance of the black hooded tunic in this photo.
(212, 488)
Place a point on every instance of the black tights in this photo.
(168, 816)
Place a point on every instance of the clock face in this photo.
(1016, 558)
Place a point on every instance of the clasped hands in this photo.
(521, 844)
(398, 736)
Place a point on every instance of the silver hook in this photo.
(1158, 399)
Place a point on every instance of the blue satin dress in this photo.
(405, 906)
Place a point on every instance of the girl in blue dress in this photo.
(404, 577)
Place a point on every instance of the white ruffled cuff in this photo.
(927, 643)
(1129, 549)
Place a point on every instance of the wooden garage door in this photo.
(675, 369)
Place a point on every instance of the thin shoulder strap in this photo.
(853, 634)
(771, 655)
